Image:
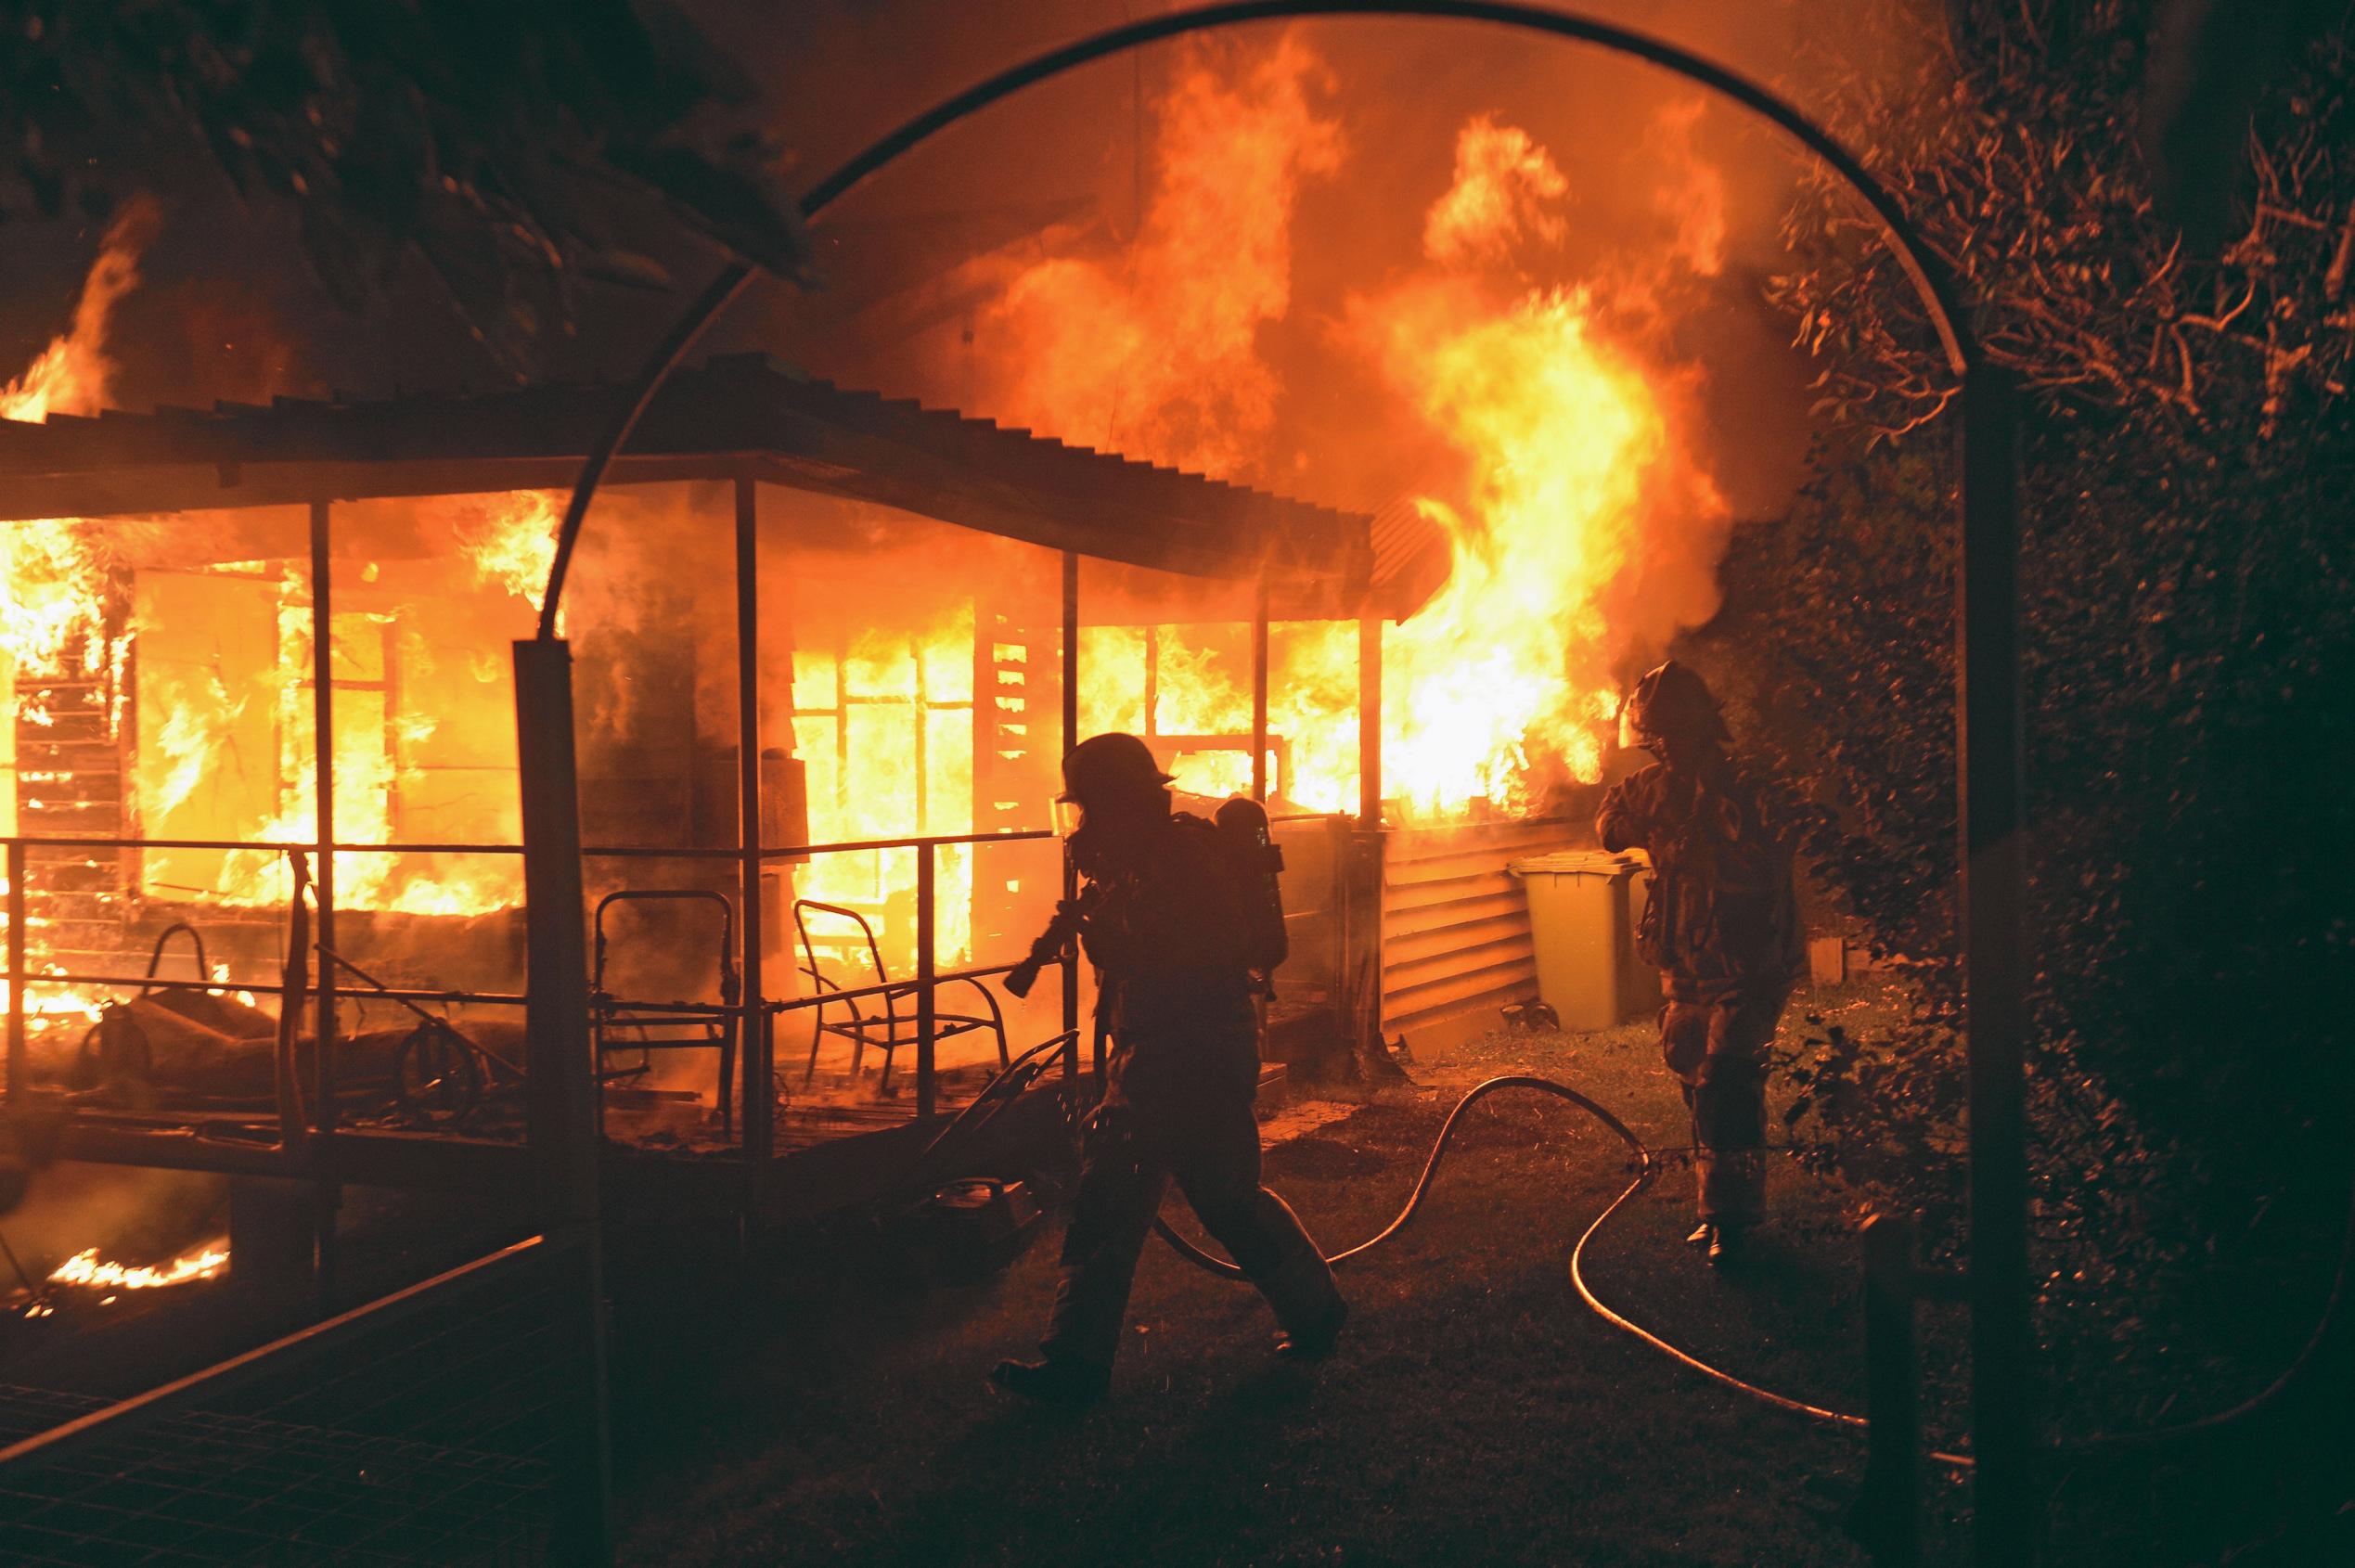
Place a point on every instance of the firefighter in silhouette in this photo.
(1164, 917)
(1722, 925)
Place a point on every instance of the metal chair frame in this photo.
(888, 1029)
(646, 1027)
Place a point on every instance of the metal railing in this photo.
(759, 1010)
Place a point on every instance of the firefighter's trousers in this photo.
(1178, 1108)
(1718, 1050)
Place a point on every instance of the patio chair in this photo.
(883, 1019)
(616, 1025)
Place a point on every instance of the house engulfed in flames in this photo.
(198, 596)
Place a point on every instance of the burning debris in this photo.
(88, 1270)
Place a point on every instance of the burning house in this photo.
(258, 769)
(262, 765)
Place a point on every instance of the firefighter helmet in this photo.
(1669, 702)
(1109, 764)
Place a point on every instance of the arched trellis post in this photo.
(1989, 727)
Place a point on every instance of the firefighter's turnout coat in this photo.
(1166, 929)
(1722, 925)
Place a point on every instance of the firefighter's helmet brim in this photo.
(1110, 761)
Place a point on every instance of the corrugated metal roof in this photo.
(736, 413)
(1412, 556)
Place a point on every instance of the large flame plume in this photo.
(1156, 354)
(1574, 483)
(1583, 529)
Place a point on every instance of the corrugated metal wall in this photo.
(1455, 926)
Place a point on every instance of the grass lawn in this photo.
(1477, 1411)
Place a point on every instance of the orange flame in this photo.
(1583, 531)
(1694, 199)
(1574, 474)
(897, 708)
(511, 544)
(1156, 354)
(54, 608)
(85, 1267)
(71, 375)
(1503, 186)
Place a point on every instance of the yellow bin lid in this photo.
(1579, 863)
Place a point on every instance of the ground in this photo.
(1477, 1411)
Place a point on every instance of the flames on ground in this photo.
(87, 1269)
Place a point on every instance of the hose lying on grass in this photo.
(1003, 1090)
(1647, 1168)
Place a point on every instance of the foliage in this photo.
(2013, 149)
(2189, 620)
(491, 139)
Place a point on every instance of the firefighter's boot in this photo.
(1316, 1341)
(1059, 1380)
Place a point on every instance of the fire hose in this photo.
(1025, 1068)
(1648, 1167)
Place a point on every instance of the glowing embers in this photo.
(88, 1270)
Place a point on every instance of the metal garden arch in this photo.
(1989, 728)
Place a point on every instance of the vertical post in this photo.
(1887, 1518)
(759, 1095)
(323, 1050)
(1260, 689)
(927, 968)
(1071, 871)
(1369, 723)
(1988, 744)
(323, 793)
(16, 972)
(582, 1529)
(1361, 971)
(1153, 682)
(294, 982)
(560, 1078)
(560, 1072)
